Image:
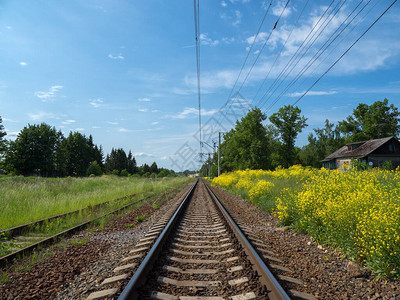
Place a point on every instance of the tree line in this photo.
(254, 145)
(43, 150)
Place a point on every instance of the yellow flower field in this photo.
(356, 211)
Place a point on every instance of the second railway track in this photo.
(199, 253)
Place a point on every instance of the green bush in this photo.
(387, 165)
(94, 169)
(115, 172)
(124, 173)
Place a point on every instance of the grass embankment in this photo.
(355, 211)
(27, 199)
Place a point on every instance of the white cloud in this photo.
(67, 122)
(227, 40)
(96, 102)
(9, 120)
(41, 116)
(238, 19)
(50, 94)
(155, 111)
(223, 4)
(80, 129)
(261, 37)
(12, 134)
(143, 154)
(154, 123)
(23, 64)
(124, 130)
(205, 40)
(212, 80)
(312, 93)
(189, 112)
(112, 123)
(118, 56)
(278, 7)
(144, 100)
(95, 127)
(143, 109)
(180, 91)
(8, 27)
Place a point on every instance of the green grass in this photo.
(27, 199)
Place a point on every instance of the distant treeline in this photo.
(253, 145)
(42, 150)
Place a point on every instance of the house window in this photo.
(391, 148)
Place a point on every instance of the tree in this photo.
(289, 124)
(371, 122)
(146, 168)
(2, 135)
(78, 154)
(248, 145)
(3, 142)
(117, 160)
(325, 141)
(132, 168)
(154, 168)
(33, 151)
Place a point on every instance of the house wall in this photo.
(377, 161)
(390, 148)
(341, 162)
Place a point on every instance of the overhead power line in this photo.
(196, 4)
(355, 42)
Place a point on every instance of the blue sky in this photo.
(125, 71)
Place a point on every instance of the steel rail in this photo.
(20, 229)
(48, 241)
(138, 279)
(275, 290)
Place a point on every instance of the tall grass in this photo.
(27, 199)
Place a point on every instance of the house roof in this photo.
(364, 150)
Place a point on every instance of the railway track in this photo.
(197, 253)
(24, 239)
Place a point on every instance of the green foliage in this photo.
(289, 124)
(325, 141)
(387, 165)
(373, 121)
(115, 172)
(359, 165)
(141, 218)
(80, 242)
(5, 278)
(154, 168)
(164, 173)
(2, 135)
(248, 145)
(33, 152)
(124, 173)
(94, 169)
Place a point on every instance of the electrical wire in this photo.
(321, 50)
(197, 30)
(344, 53)
(295, 54)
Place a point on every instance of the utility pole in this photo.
(209, 166)
(219, 153)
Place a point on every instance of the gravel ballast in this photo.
(76, 269)
(325, 272)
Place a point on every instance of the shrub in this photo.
(94, 169)
(124, 173)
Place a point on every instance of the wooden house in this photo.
(373, 152)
